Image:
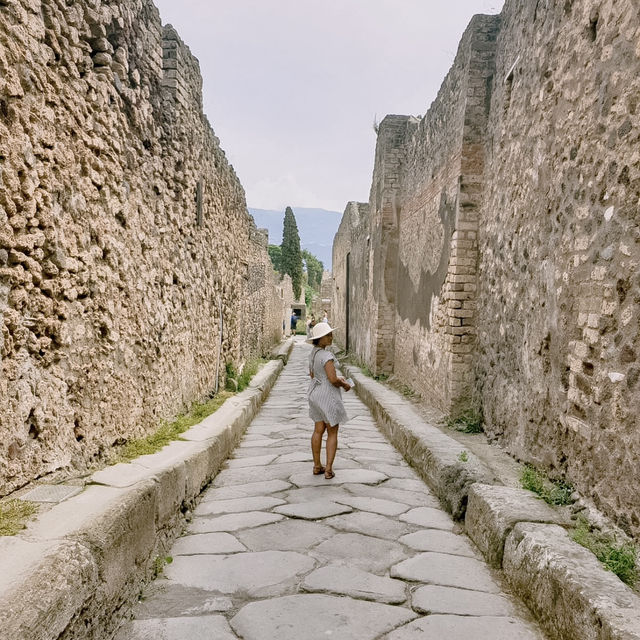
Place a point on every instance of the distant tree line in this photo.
(303, 267)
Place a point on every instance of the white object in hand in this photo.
(350, 382)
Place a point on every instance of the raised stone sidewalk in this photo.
(274, 552)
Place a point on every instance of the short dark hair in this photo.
(316, 341)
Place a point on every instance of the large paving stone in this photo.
(375, 505)
(255, 474)
(165, 599)
(237, 505)
(463, 602)
(383, 491)
(371, 524)
(296, 456)
(439, 541)
(361, 551)
(317, 617)
(286, 535)
(408, 484)
(206, 543)
(446, 570)
(324, 492)
(363, 476)
(233, 522)
(259, 574)
(245, 490)
(313, 510)
(465, 627)
(178, 629)
(429, 518)
(355, 583)
(257, 461)
(381, 445)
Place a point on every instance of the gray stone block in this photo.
(433, 454)
(493, 511)
(566, 587)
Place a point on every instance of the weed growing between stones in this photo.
(618, 557)
(14, 514)
(554, 492)
(250, 370)
(241, 380)
(159, 564)
(469, 421)
(463, 457)
(170, 431)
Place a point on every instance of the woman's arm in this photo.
(334, 379)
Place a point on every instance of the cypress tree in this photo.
(291, 260)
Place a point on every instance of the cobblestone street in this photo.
(274, 552)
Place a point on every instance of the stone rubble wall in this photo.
(557, 362)
(124, 236)
(497, 265)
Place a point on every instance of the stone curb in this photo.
(79, 563)
(434, 455)
(283, 350)
(563, 583)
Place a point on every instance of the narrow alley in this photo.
(273, 551)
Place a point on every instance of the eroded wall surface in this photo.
(504, 243)
(557, 362)
(125, 241)
(417, 247)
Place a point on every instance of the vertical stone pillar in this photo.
(384, 201)
(461, 283)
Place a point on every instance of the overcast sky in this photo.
(292, 87)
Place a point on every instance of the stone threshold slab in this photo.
(88, 556)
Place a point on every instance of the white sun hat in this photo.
(319, 330)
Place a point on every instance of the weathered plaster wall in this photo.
(124, 233)
(558, 348)
(418, 244)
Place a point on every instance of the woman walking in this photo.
(325, 402)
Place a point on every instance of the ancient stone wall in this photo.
(125, 241)
(418, 245)
(504, 236)
(557, 362)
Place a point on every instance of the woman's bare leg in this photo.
(316, 443)
(332, 446)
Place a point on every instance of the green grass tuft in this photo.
(170, 431)
(554, 492)
(618, 557)
(469, 421)
(250, 370)
(14, 514)
(463, 457)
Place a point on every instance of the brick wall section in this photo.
(123, 232)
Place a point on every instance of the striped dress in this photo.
(325, 400)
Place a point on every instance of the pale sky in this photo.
(292, 87)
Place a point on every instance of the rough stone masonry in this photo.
(496, 262)
(130, 269)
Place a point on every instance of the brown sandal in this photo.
(318, 470)
(328, 475)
